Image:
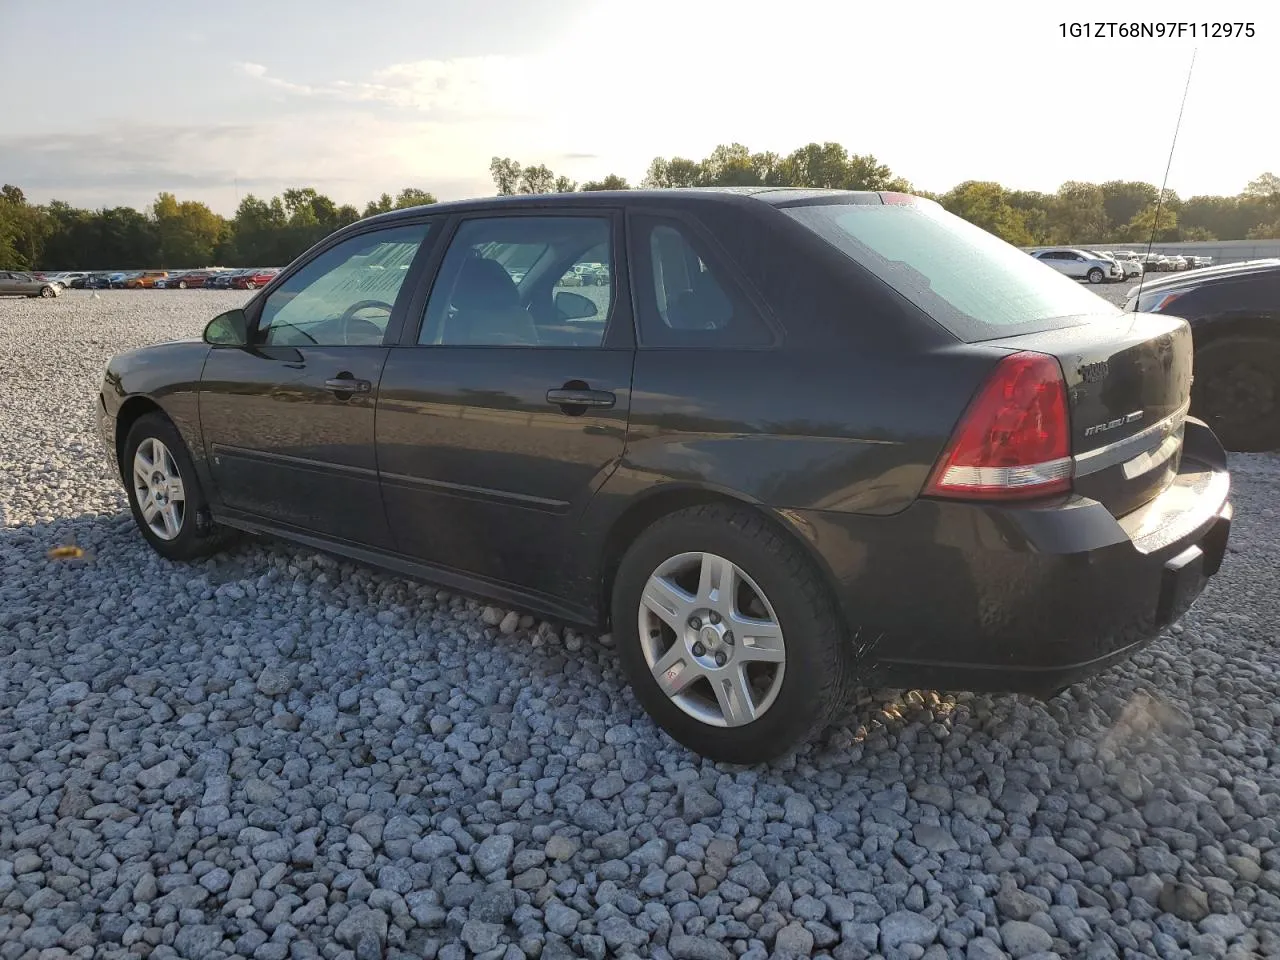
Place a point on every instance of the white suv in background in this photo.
(1128, 261)
(1079, 264)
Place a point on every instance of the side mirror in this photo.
(230, 329)
(574, 306)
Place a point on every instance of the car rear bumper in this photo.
(949, 595)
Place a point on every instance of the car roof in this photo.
(1223, 271)
(680, 196)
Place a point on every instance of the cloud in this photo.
(259, 72)
(473, 86)
(347, 153)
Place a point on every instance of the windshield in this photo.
(968, 280)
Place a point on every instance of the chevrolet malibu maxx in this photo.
(798, 441)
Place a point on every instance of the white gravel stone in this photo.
(274, 748)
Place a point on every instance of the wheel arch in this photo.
(667, 499)
(131, 411)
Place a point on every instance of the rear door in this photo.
(505, 406)
(288, 422)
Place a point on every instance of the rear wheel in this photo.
(182, 284)
(1237, 391)
(165, 496)
(1096, 275)
(728, 634)
(249, 285)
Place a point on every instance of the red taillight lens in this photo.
(1014, 441)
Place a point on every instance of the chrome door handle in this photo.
(581, 398)
(348, 385)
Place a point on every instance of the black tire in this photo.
(819, 661)
(1237, 391)
(1095, 275)
(198, 536)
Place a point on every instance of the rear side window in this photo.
(686, 295)
(970, 281)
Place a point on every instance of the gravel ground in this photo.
(275, 755)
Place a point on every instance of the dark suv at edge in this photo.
(1234, 312)
(800, 440)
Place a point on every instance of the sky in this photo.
(109, 104)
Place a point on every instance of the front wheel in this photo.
(250, 285)
(165, 496)
(182, 284)
(48, 292)
(1096, 275)
(728, 635)
(1237, 391)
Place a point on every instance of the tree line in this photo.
(271, 232)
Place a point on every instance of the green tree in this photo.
(676, 172)
(413, 197)
(506, 175)
(1160, 221)
(1078, 214)
(1123, 199)
(611, 182)
(189, 232)
(537, 179)
(23, 230)
(985, 204)
(730, 166)
(1265, 187)
(384, 204)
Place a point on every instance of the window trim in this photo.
(253, 309)
(721, 259)
(619, 333)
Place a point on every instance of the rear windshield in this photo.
(970, 281)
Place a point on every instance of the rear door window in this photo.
(686, 294)
(970, 281)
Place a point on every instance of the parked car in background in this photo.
(1129, 262)
(1198, 263)
(252, 279)
(13, 282)
(97, 281)
(824, 439)
(1080, 265)
(1156, 263)
(144, 280)
(223, 281)
(1177, 261)
(1234, 312)
(193, 280)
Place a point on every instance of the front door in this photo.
(288, 421)
(506, 408)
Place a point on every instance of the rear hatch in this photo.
(1128, 389)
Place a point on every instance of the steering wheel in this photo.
(349, 314)
(359, 305)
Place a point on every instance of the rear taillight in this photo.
(1014, 440)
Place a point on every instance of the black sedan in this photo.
(800, 441)
(1234, 312)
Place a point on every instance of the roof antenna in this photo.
(1155, 226)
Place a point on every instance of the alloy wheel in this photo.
(158, 487)
(711, 639)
